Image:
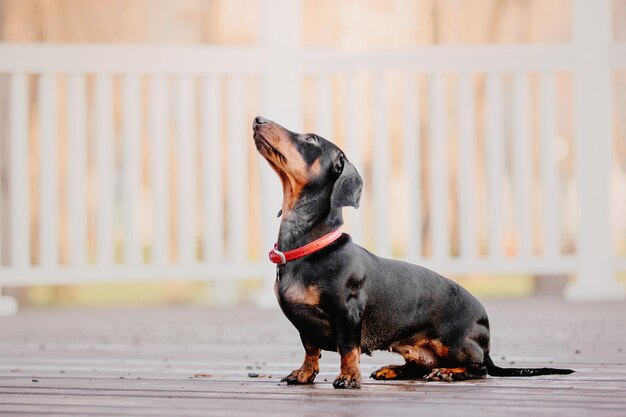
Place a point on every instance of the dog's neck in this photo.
(309, 219)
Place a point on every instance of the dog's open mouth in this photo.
(260, 142)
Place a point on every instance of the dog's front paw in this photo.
(347, 381)
(300, 376)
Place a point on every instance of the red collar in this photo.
(282, 258)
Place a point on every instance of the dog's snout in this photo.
(259, 121)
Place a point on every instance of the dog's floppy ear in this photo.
(348, 186)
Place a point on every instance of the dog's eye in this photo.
(310, 139)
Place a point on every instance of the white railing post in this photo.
(19, 232)
(281, 95)
(593, 129)
(8, 305)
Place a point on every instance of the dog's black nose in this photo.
(259, 121)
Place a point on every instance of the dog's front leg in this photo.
(309, 369)
(350, 375)
(348, 331)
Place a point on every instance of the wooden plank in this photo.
(156, 273)
(131, 139)
(3, 252)
(438, 175)
(550, 190)
(19, 186)
(244, 60)
(618, 52)
(225, 389)
(77, 148)
(213, 189)
(48, 179)
(238, 178)
(159, 169)
(324, 107)
(522, 164)
(412, 166)
(442, 59)
(494, 145)
(281, 100)
(227, 270)
(271, 200)
(298, 400)
(116, 58)
(473, 396)
(381, 169)
(281, 73)
(103, 108)
(355, 219)
(185, 139)
(467, 167)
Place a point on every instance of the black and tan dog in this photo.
(342, 298)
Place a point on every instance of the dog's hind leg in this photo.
(420, 360)
(462, 373)
(409, 370)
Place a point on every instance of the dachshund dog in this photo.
(343, 298)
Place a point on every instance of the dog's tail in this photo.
(494, 370)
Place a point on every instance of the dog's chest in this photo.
(297, 293)
(301, 304)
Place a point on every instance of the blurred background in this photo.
(491, 136)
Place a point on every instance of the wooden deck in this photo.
(193, 361)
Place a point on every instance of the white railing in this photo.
(430, 125)
(105, 195)
(148, 152)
